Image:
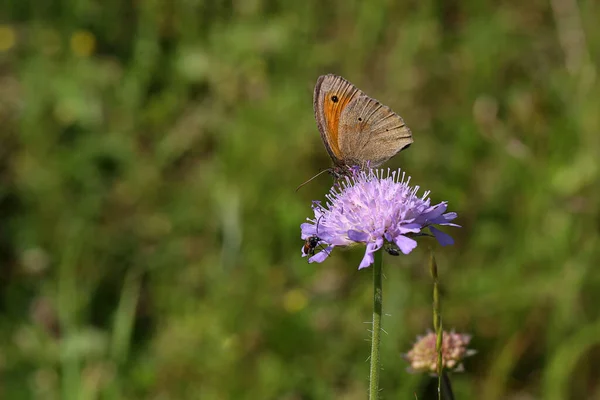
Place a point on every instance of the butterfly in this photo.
(357, 130)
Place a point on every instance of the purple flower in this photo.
(374, 207)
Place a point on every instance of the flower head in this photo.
(374, 207)
(423, 356)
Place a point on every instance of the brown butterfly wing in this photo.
(371, 132)
(332, 94)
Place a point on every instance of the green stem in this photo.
(437, 321)
(376, 332)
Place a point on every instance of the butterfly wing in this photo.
(332, 95)
(355, 128)
(370, 132)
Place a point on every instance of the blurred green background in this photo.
(149, 228)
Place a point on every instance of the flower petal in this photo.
(368, 259)
(357, 236)
(436, 211)
(444, 219)
(405, 244)
(443, 238)
(409, 228)
(450, 216)
(321, 256)
(307, 230)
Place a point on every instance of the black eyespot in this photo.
(359, 118)
(334, 98)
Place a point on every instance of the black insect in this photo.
(310, 245)
(392, 249)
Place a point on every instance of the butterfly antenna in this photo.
(325, 170)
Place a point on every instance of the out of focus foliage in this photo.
(149, 228)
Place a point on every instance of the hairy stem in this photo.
(376, 332)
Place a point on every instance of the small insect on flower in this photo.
(312, 240)
(392, 251)
(310, 245)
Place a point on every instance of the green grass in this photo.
(149, 228)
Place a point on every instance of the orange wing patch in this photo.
(333, 105)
